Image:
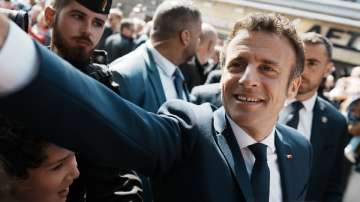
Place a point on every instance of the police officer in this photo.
(77, 28)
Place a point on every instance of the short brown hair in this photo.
(315, 38)
(272, 23)
(59, 4)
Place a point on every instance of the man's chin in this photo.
(83, 48)
(78, 60)
(302, 90)
(300, 93)
(80, 55)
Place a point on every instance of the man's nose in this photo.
(86, 27)
(250, 77)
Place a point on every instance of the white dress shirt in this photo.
(244, 140)
(166, 70)
(305, 115)
(17, 68)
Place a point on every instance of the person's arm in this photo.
(18, 60)
(78, 113)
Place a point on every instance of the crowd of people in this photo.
(104, 107)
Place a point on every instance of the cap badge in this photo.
(104, 5)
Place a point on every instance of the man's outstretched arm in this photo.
(79, 113)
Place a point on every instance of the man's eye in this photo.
(311, 63)
(98, 24)
(237, 65)
(266, 68)
(77, 16)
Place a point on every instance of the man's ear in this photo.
(294, 87)
(50, 16)
(210, 45)
(328, 69)
(185, 37)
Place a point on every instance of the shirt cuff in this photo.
(18, 61)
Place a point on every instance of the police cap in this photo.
(98, 6)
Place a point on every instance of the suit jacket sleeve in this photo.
(79, 113)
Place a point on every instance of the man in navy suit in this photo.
(320, 122)
(236, 153)
(146, 76)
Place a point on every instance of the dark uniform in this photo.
(98, 69)
(118, 45)
(195, 73)
(98, 183)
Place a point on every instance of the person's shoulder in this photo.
(186, 112)
(214, 76)
(213, 88)
(177, 105)
(334, 114)
(126, 40)
(112, 38)
(292, 136)
(326, 104)
(132, 62)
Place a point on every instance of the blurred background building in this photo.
(337, 20)
(142, 7)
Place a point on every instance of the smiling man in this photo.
(255, 82)
(236, 153)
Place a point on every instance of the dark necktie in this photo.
(260, 175)
(294, 120)
(178, 80)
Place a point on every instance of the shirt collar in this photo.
(308, 104)
(244, 140)
(167, 67)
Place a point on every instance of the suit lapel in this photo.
(318, 123)
(154, 76)
(187, 93)
(231, 151)
(286, 165)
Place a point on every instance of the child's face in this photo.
(354, 119)
(50, 182)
